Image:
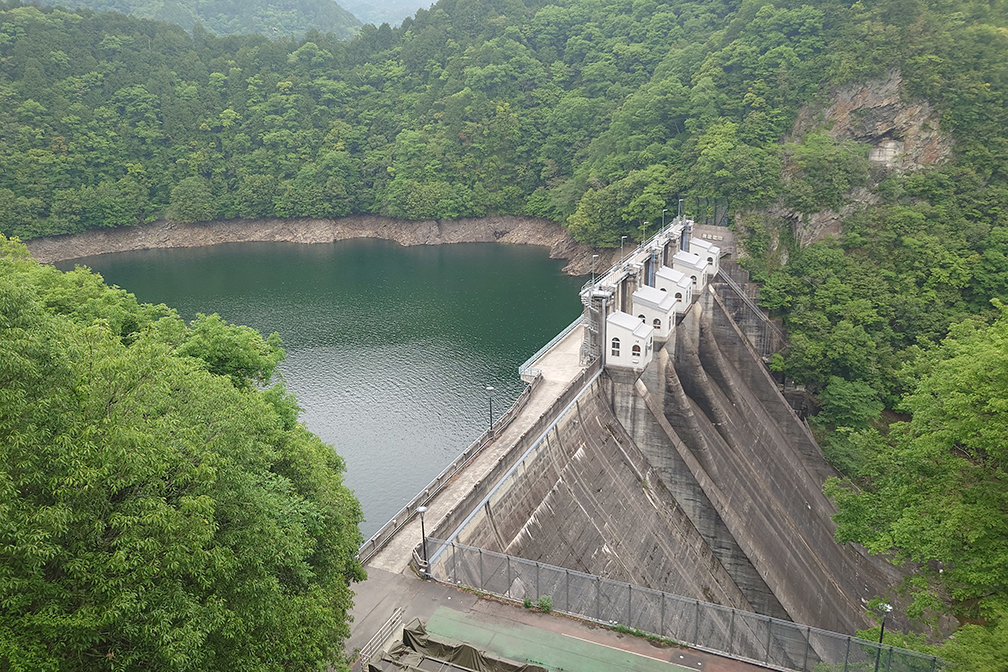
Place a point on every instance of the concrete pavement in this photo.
(509, 630)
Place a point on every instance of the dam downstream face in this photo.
(389, 348)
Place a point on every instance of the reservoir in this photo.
(389, 349)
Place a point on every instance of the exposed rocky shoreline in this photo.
(509, 230)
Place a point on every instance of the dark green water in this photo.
(389, 348)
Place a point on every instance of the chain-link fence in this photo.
(738, 634)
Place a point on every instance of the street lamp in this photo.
(680, 208)
(622, 239)
(886, 608)
(594, 257)
(644, 239)
(663, 218)
(490, 389)
(423, 535)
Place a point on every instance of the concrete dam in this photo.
(679, 467)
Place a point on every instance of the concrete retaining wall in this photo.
(448, 525)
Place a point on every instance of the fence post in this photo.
(888, 662)
(846, 656)
(661, 630)
(567, 577)
(731, 632)
(455, 563)
(537, 581)
(808, 644)
(481, 568)
(769, 627)
(629, 608)
(508, 575)
(696, 624)
(598, 600)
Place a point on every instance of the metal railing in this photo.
(526, 367)
(727, 279)
(641, 247)
(377, 540)
(375, 644)
(738, 634)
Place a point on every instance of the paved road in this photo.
(514, 632)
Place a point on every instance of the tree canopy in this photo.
(934, 490)
(593, 113)
(157, 509)
(473, 108)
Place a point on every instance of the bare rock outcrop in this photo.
(162, 234)
(904, 137)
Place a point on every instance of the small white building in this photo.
(656, 309)
(708, 252)
(630, 342)
(693, 267)
(676, 284)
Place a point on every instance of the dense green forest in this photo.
(159, 509)
(227, 17)
(599, 114)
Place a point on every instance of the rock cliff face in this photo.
(509, 230)
(904, 137)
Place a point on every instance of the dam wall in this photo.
(656, 444)
(693, 477)
(683, 469)
(761, 470)
(588, 500)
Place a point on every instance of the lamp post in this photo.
(490, 389)
(423, 535)
(886, 608)
(680, 208)
(663, 218)
(644, 238)
(622, 239)
(594, 257)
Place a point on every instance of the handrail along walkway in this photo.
(526, 366)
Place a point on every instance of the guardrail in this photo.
(375, 543)
(641, 246)
(526, 367)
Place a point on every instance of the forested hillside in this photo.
(599, 114)
(226, 17)
(159, 509)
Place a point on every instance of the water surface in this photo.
(389, 348)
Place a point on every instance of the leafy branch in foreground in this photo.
(153, 512)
